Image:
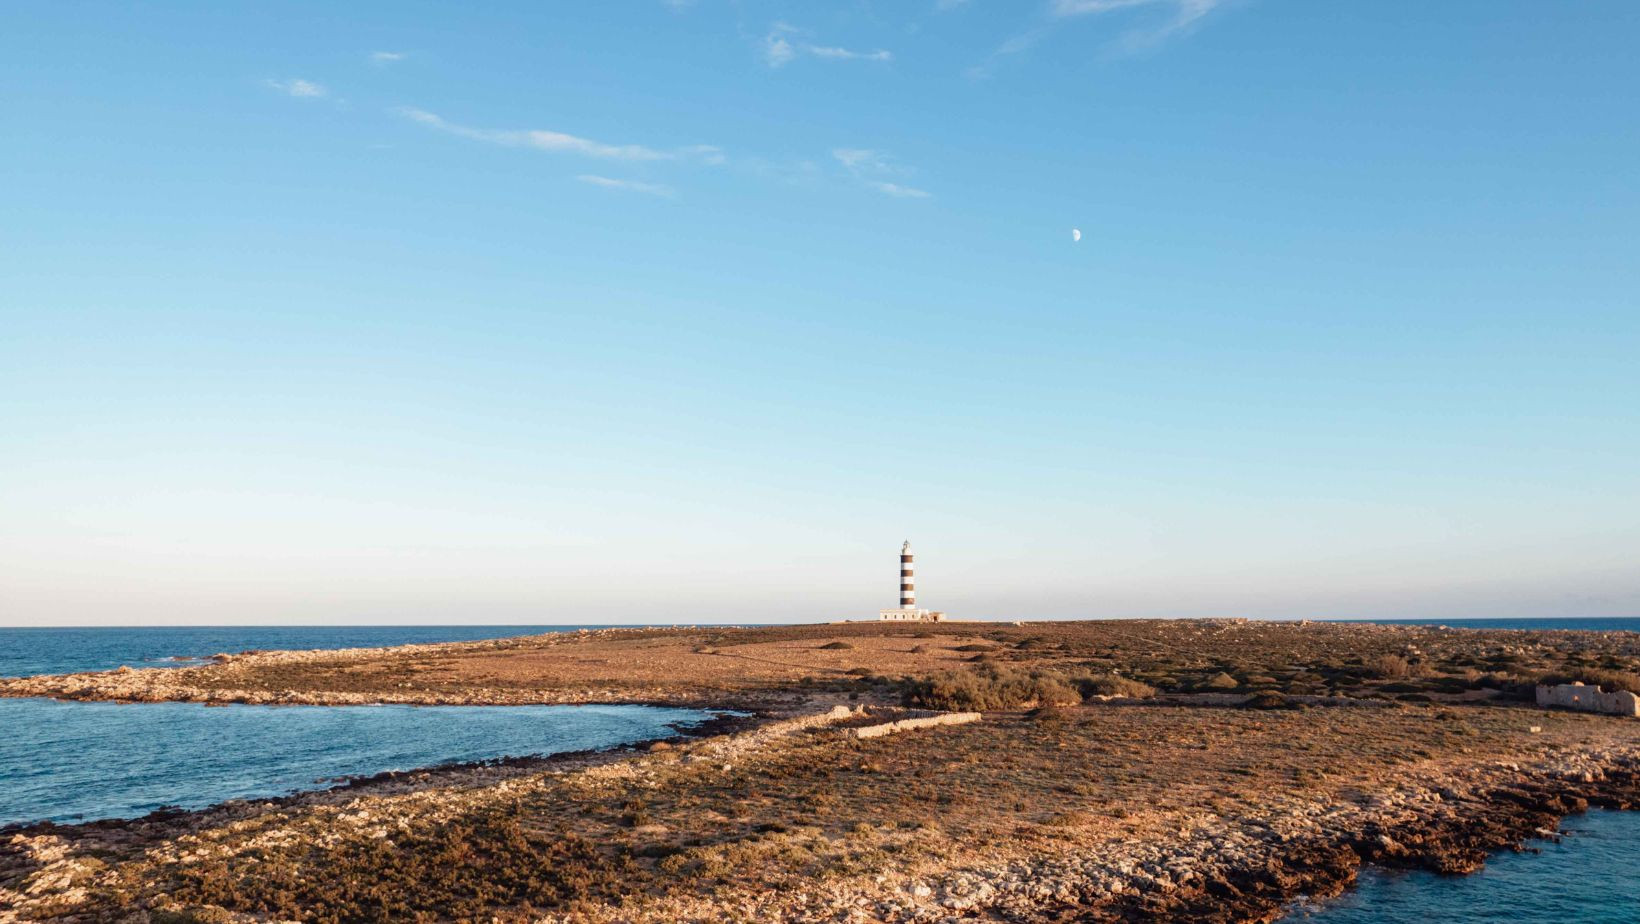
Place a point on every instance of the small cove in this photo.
(80, 761)
(1586, 878)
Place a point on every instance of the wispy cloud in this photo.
(559, 142)
(898, 190)
(832, 51)
(384, 58)
(1182, 14)
(874, 169)
(609, 182)
(859, 160)
(297, 87)
(783, 43)
(776, 49)
(1179, 16)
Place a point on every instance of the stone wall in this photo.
(1588, 699)
(926, 721)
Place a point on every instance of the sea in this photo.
(1587, 623)
(1586, 878)
(71, 761)
(26, 651)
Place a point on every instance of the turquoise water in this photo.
(1588, 878)
(71, 761)
(66, 762)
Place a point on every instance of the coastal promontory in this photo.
(1118, 770)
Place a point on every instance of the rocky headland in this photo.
(1129, 771)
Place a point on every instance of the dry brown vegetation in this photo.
(817, 807)
(1090, 746)
(766, 666)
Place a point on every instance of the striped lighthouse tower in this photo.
(908, 583)
(907, 610)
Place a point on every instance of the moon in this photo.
(1076, 234)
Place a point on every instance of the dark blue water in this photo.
(1590, 623)
(24, 652)
(1588, 878)
(71, 761)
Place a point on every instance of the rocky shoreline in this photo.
(1257, 872)
(1068, 790)
(1251, 871)
(195, 683)
(1227, 869)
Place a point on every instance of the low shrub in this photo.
(1400, 688)
(1391, 667)
(837, 646)
(1111, 685)
(989, 687)
(1268, 699)
(462, 869)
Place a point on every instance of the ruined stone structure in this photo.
(922, 719)
(908, 611)
(1588, 699)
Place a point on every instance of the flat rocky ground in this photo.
(785, 664)
(1120, 771)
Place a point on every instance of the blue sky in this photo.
(651, 312)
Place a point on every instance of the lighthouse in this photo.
(907, 611)
(908, 583)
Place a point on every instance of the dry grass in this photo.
(817, 807)
(821, 806)
(724, 666)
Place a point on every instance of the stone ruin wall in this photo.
(1588, 699)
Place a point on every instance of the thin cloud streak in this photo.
(898, 191)
(1186, 13)
(821, 51)
(872, 168)
(384, 58)
(297, 87)
(779, 48)
(862, 159)
(561, 143)
(608, 182)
